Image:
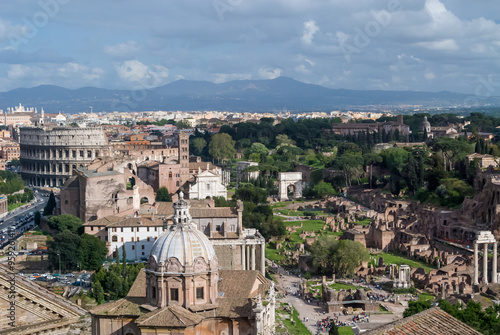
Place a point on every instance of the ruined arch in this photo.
(287, 179)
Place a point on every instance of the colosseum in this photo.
(48, 156)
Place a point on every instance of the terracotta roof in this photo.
(432, 321)
(124, 306)
(138, 288)
(137, 222)
(241, 283)
(104, 221)
(174, 316)
(201, 165)
(199, 209)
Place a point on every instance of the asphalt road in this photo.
(14, 216)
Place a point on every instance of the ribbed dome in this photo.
(184, 242)
(182, 248)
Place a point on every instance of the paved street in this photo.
(313, 312)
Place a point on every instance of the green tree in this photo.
(284, 140)
(198, 145)
(124, 261)
(64, 222)
(411, 175)
(250, 193)
(221, 147)
(51, 204)
(450, 149)
(341, 257)
(66, 245)
(323, 189)
(415, 307)
(334, 330)
(351, 165)
(91, 252)
(259, 148)
(163, 195)
(98, 292)
(395, 159)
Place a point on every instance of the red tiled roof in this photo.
(433, 321)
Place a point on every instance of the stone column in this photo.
(243, 257)
(263, 258)
(253, 256)
(485, 263)
(494, 271)
(476, 264)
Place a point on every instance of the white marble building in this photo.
(207, 183)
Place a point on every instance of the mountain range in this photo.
(277, 94)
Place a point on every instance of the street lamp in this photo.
(59, 254)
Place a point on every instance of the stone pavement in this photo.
(313, 312)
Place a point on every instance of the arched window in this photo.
(114, 238)
(170, 174)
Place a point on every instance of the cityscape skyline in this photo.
(426, 45)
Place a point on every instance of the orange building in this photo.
(10, 151)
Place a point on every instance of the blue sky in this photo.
(422, 45)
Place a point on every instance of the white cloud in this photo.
(17, 71)
(429, 75)
(268, 73)
(53, 74)
(310, 29)
(224, 77)
(10, 31)
(140, 74)
(121, 50)
(442, 45)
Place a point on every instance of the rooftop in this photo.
(429, 322)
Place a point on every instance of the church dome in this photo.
(425, 125)
(182, 248)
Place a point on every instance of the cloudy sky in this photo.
(423, 45)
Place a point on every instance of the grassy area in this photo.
(15, 205)
(399, 260)
(285, 203)
(315, 284)
(289, 212)
(272, 254)
(365, 222)
(425, 296)
(346, 331)
(298, 328)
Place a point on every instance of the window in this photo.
(92, 228)
(114, 238)
(121, 229)
(174, 294)
(148, 239)
(199, 293)
(147, 228)
(122, 239)
(133, 247)
(142, 247)
(132, 239)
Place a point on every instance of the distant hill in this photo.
(240, 95)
